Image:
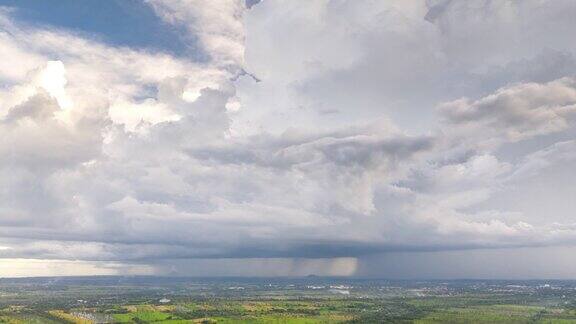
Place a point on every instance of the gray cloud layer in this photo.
(377, 126)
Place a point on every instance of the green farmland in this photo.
(302, 312)
(295, 301)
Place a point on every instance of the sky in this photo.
(363, 138)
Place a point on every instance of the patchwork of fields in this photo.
(417, 311)
(304, 301)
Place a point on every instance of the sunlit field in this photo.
(305, 300)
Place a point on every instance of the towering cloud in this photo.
(306, 135)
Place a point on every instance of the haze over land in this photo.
(395, 139)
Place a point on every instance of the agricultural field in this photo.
(298, 301)
(301, 312)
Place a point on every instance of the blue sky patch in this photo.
(129, 23)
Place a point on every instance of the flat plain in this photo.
(283, 300)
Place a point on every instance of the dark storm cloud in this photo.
(117, 154)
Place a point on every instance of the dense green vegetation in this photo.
(396, 310)
(292, 302)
